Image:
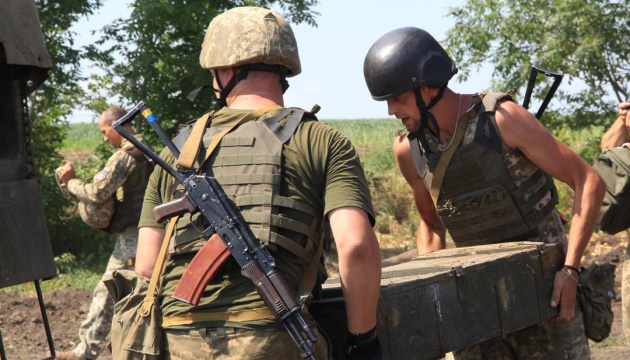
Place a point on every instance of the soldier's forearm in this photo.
(616, 135)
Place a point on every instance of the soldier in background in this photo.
(112, 202)
(619, 131)
(497, 186)
(617, 135)
(287, 174)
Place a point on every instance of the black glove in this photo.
(364, 346)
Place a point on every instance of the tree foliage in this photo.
(154, 55)
(589, 40)
(53, 102)
(49, 107)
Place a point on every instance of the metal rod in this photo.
(2, 354)
(42, 307)
(145, 149)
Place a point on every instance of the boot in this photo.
(67, 355)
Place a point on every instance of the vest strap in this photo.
(191, 148)
(235, 160)
(259, 199)
(243, 179)
(445, 159)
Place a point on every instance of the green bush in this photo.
(82, 136)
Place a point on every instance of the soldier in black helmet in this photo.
(481, 167)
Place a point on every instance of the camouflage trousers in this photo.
(98, 323)
(224, 343)
(625, 295)
(557, 341)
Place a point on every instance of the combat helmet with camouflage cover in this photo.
(250, 38)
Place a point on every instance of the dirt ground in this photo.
(24, 335)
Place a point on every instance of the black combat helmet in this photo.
(405, 59)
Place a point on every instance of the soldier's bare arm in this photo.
(359, 265)
(431, 230)
(619, 131)
(149, 243)
(519, 129)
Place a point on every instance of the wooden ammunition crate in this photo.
(449, 299)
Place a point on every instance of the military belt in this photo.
(236, 315)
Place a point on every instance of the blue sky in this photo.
(332, 54)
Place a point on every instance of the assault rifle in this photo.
(205, 194)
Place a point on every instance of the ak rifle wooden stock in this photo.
(255, 261)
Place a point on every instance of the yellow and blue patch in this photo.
(101, 175)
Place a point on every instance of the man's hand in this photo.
(564, 295)
(67, 173)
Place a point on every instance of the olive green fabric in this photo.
(320, 168)
(613, 165)
(490, 193)
(597, 290)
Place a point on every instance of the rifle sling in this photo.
(147, 304)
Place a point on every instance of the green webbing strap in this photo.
(293, 247)
(243, 179)
(494, 207)
(235, 160)
(237, 141)
(518, 233)
(258, 198)
(310, 275)
(445, 159)
(279, 221)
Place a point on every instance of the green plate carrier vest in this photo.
(127, 210)
(479, 202)
(248, 165)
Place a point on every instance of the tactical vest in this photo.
(480, 202)
(128, 205)
(248, 165)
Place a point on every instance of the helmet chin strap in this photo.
(425, 115)
(224, 92)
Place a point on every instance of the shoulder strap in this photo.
(445, 158)
(190, 151)
(191, 148)
(149, 299)
(284, 132)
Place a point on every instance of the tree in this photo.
(588, 40)
(53, 102)
(155, 55)
(49, 107)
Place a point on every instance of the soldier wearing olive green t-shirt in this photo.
(287, 174)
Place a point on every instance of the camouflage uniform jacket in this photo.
(109, 180)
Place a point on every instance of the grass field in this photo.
(396, 217)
